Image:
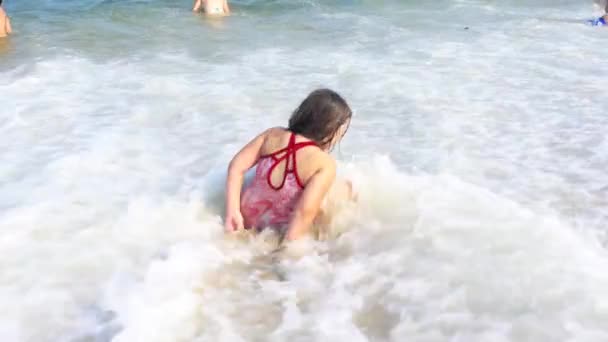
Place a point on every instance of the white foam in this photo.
(478, 156)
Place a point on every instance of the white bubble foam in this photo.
(478, 157)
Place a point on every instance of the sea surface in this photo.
(478, 147)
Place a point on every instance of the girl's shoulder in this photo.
(274, 134)
(276, 131)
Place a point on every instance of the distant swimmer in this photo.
(215, 8)
(601, 21)
(5, 23)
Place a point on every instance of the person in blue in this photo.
(601, 21)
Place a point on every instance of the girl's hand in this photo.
(233, 222)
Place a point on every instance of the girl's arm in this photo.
(245, 159)
(226, 7)
(310, 202)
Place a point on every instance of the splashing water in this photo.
(479, 155)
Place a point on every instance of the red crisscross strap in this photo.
(289, 155)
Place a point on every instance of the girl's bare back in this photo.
(308, 160)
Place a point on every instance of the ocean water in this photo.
(478, 148)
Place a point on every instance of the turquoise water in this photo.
(477, 147)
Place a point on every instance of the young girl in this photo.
(294, 169)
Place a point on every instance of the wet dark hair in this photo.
(320, 116)
(0, 2)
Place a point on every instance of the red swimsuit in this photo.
(265, 205)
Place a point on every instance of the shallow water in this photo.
(478, 149)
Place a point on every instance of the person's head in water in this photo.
(322, 117)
